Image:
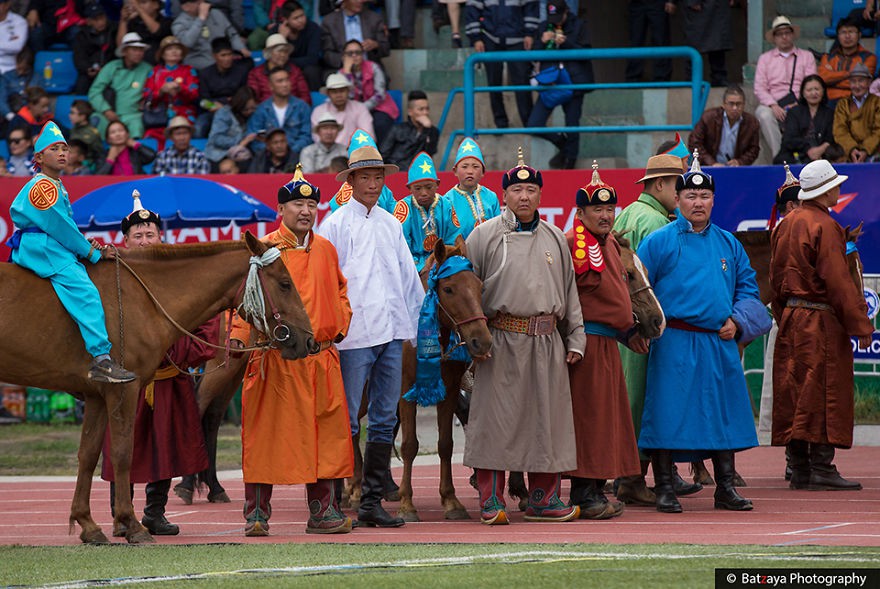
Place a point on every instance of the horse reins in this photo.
(456, 324)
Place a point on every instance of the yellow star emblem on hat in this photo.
(467, 146)
(425, 167)
(56, 131)
(361, 138)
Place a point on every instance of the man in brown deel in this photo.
(817, 306)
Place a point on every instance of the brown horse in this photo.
(42, 345)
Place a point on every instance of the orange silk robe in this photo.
(294, 417)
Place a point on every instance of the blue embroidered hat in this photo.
(298, 188)
(422, 168)
(680, 149)
(50, 134)
(360, 138)
(695, 178)
(521, 173)
(469, 148)
(596, 192)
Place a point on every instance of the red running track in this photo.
(36, 513)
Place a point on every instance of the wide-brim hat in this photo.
(167, 42)
(336, 81)
(365, 158)
(660, 166)
(274, 41)
(178, 122)
(817, 178)
(326, 120)
(130, 40)
(779, 22)
(860, 70)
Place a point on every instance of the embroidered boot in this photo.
(154, 511)
(726, 496)
(324, 517)
(257, 508)
(493, 509)
(824, 475)
(544, 502)
(661, 462)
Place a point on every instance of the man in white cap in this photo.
(316, 157)
(778, 78)
(818, 307)
(386, 295)
(857, 119)
(351, 114)
(180, 157)
(125, 77)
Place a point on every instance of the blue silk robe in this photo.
(422, 228)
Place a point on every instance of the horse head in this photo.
(283, 317)
(649, 316)
(460, 295)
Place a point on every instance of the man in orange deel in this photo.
(294, 426)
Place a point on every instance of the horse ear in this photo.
(439, 252)
(460, 246)
(623, 241)
(255, 246)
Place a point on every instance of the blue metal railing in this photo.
(699, 89)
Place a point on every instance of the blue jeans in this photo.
(380, 366)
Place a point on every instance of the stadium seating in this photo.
(319, 98)
(62, 77)
(152, 144)
(841, 9)
(4, 149)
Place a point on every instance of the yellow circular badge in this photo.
(144, 214)
(305, 190)
(580, 254)
(522, 174)
(604, 195)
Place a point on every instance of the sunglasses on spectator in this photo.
(16, 139)
(353, 53)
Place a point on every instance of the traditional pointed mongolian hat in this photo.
(469, 148)
(788, 192)
(679, 150)
(360, 138)
(596, 192)
(521, 173)
(422, 168)
(298, 188)
(49, 135)
(695, 178)
(139, 214)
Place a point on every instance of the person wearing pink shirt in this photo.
(351, 114)
(778, 78)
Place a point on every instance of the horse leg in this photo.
(211, 423)
(91, 439)
(409, 448)
(121, 403)
(701, 474)
(516, 488)
(452, 507)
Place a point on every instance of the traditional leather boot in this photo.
(612, 508)
(584, 494)
(490, 484)
(154, 511)
(257, 508)
(324, 517)
(798, 453)
(544, 502)
(634, 491)
(787, 463)
(377, 457)
(119, 529)
(726, 496)
(661, 461)
(824, 475)
(681, 486)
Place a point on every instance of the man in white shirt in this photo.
(385, 294)
(13, 35)
(778, 78)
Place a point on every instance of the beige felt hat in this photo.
(363, 158)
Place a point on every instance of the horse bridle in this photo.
(636, 321)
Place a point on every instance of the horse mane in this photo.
(623, 241)
(181, 251)
(753, 237)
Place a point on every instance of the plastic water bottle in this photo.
(47, 71)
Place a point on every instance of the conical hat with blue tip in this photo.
(469, 148)
(360, 138)
(422, 168)
(50, 134)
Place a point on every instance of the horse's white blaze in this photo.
(644, 274)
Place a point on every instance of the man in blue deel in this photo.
(49, 244)
(696, 401)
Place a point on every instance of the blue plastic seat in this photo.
(62, 108)
(397, 97)
(199, 143)
(318, 98)
(841, 9)
(63, 74)
(4, 149)
(152, 144)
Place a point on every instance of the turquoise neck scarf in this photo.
(428, 389)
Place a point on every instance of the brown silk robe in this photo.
(603, 427)
(813, 361)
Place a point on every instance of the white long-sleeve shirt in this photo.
(383, 286)
(13, 35)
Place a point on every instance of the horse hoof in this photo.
(220, 497)
(457, 514)
(354, 503)
(94, 537)
(523, 503)
(186, 495)
(392, 495)
(409, 516)
(141, 537)
(345, 503)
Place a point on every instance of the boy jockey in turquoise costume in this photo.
(425, 216)
(386, 199)
(472, 202)
(49, 244)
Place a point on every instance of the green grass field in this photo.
(395, 565)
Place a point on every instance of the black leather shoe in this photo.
(159, 526)
(728, 498)
(681, 486)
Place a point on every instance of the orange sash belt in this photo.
(161, 374)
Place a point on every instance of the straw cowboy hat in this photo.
(817, 178)
(778, 23)
(178, 122)
(660, 166)
(365, 158)
(275, 41)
